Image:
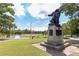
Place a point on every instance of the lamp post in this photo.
(30, 29)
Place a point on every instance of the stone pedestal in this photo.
(54, 35)
(55, 39)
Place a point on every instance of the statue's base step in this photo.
(56, 47)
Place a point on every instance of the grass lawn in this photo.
(21, 48)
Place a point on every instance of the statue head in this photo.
(57, 10)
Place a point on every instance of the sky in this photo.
(35, 15)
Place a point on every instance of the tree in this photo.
(66, 29)
(69, 9)
(71, 27)
(6, 21)
(74, 25)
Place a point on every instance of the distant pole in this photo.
(30, 29)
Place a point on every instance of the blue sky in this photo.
(27, 13)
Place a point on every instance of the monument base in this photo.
(55, 39)
(56, 47)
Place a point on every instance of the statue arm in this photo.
(51, 14)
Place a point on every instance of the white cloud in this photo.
(18, 8)
(42, 10)
(39, 28)
(7, 13)
(21, 27)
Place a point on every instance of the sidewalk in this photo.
(72, 50)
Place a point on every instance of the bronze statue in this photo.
(55, 18)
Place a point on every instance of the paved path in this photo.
(10, 39)
(52, 52)
(72, 50)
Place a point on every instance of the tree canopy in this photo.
(69, 9)
(6, 21)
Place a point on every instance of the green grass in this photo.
(21, 48)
